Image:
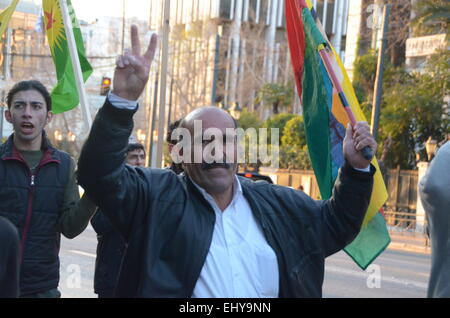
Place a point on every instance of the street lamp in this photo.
(140, 136)
(71, 136)
(430, 146)
(58, 135)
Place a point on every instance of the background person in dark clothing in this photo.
(9, 260)
(38, 190)
(111, 245)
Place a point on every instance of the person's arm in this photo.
(434, 187)
(343, 214)
(76, 212)
(9, 260)
(116, 188)
(101, 223)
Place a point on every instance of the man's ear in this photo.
(49, 117)
(8, 116)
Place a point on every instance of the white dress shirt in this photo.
(240, 263)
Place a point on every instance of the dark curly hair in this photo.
(26, 86)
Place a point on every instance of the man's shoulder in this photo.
(265, 188)
(160, 177)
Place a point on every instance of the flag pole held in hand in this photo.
(367, 152)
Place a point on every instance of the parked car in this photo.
(255, 176)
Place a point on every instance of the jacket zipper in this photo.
(29, 213)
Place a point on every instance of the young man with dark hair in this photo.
(38, 190)
(135, 155)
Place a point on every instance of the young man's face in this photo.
(28, 114)
(136, 158)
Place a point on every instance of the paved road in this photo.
(77, 265)
(395, 274)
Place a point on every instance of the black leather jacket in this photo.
(169, 225)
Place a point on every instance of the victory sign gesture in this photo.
(132, 68)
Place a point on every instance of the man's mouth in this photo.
(27, 127)
(209, 166)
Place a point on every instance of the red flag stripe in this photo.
(296, 38)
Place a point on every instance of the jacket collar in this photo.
(11, 152)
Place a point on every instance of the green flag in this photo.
(5, 16)
(64, 95)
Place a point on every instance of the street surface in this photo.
(394, 274)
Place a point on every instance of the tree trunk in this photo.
(275, 108)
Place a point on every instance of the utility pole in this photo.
(152, 123)
(163, 84)
(236, 42)
(378, 90)
(376, 22)
(2, 106)
(216, 66)
(123, 25)
(7, 54)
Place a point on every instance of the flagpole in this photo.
(367, 152)
(76, 65)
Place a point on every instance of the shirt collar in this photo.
(237, 191)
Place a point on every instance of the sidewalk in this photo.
(410, 242)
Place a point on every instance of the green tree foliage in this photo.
(249, 120)
(414, 110)
(412, 106)
(432, 17)
(276, 95)
(279, 122)
(293, 149)
(294, 133)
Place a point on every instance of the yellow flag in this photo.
(5, 16)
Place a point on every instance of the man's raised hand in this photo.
(132, 68)
(355, 140)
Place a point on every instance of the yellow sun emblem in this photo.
(53, 22)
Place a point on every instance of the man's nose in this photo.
(27, 111)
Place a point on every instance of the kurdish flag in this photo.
(5, 16)
(64, 95)
(326, 119)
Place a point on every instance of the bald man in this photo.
(208, 233)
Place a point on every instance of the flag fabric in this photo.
(5, 16)
(326, 120)
(64, 95)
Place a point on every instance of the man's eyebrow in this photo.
(24, 102)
